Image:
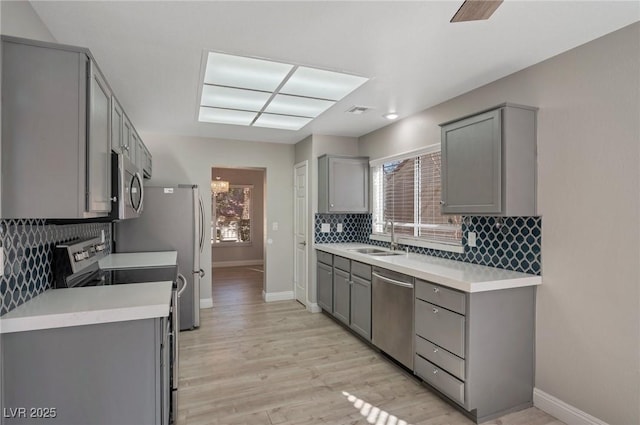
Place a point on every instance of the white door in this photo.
(300, 231)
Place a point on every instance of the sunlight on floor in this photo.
(373, 414)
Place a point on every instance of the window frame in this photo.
(416, 241)
(214, 219)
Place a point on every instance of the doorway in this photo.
(301, 249)
(238, 221)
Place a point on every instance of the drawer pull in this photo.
(436, 290)
(435, 371)
(435, 311)
(435, 350)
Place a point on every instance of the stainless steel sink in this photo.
(369, 250)
(386, 253)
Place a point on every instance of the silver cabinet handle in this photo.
(201, 273)
(303, 243)
(435, 350)
(436, 290)
(435, 311)
(435, 371)
(441, 202)
(393, 281)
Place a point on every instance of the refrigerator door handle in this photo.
(201, 224)
(184, 284)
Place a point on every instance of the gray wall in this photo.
(228, 254)
(588, 315)
(310, 149)
(180, 159)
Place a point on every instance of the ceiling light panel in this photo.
(246, 73)
(300, 106)
(226, 116)
(284, 122)
(322, 84)
(224, 97)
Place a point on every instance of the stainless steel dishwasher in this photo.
(392, 314)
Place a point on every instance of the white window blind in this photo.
(406, 192)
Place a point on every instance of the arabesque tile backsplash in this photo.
(28, 247)
(511, 243)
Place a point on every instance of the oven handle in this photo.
(184, 284)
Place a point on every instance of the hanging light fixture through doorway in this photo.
(219, 186)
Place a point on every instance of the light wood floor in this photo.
(256, 363)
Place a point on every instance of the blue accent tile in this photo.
(28, 246)
(512, 243)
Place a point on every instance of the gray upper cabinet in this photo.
(489, 163)
(343, 184)
(117, 126)
(56, 133)
(99, 144)
(147, 167)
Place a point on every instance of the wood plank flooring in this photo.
(276, 364)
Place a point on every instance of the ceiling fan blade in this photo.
(476, 10)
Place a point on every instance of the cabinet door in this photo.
(325, 287)
(117, 122)
(134, 143)
(348, 185)
(361, 306)
(98, 171)
(127, 135)
(341, 295)
(472, 164)
(140, 154)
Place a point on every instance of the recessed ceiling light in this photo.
(256, 92)
(300, 106)
(391, 116)
(285, 122)
(226, 116)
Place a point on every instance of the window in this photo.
(406, 192)
(232, 215)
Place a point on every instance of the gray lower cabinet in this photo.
(56, 106)
(324, 280)
(341, 295)
(344, 290)
(361, 306)
(104, 374)
(476, 348)
(343, 184)
(489, 162)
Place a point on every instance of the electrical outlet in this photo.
(325, 228)
(471, 239)
(339, 229)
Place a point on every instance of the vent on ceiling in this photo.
(358, 110)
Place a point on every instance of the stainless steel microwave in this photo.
(127, 191)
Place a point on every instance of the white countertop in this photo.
(139, 260)
(59, 308)
(465, 277)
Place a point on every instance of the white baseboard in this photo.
(563, 411)
(206, 303)
(314, 308)
(277, 296)
(238, 263)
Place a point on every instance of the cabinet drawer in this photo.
(440, 379)
(325, 258)
(342, 264)
(442, 327)
(441, 357)
(361, 270)
(439, 295)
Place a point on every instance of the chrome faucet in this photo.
(394, 243)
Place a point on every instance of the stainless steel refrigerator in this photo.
(172, 220)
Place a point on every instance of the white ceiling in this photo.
(151, 52)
